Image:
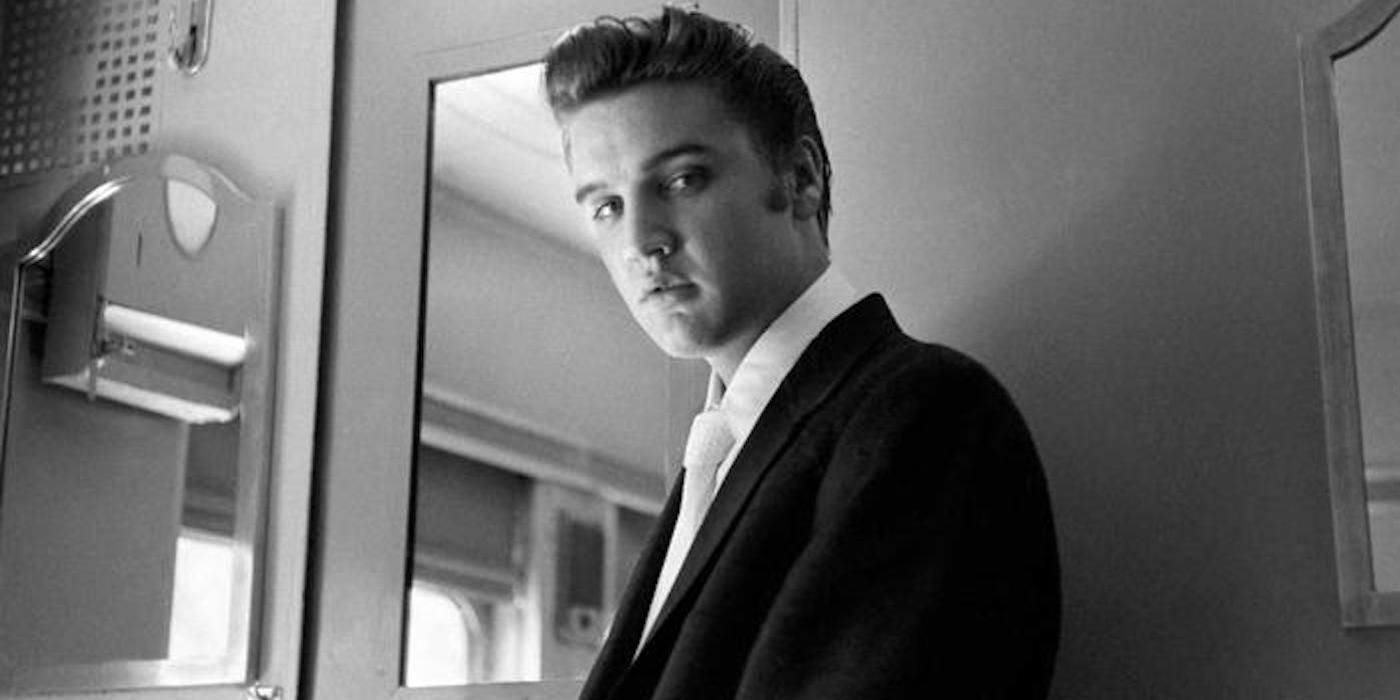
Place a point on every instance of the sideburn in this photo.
(776, 199)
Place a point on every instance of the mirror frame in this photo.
(1361, 604)
(369, 414)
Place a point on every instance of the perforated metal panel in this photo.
(79, 83)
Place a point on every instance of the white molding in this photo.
(788, 20)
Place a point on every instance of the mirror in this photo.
(1351, 98)
(1368, 99)
(136, 423)
(544, 408)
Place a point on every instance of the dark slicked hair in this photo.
(759, 87)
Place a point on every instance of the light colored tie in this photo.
(706, 448)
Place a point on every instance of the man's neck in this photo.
(726, 361)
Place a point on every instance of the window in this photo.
(442, 636)
(202, 607)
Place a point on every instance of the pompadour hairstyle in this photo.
(763, 90)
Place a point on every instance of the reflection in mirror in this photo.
(1368, 100)
(1350, 99)
(136, 430)
(539, 468)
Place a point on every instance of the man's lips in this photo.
(669, 290)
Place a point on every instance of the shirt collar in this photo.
(776, 351)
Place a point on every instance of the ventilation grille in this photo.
(79, 84)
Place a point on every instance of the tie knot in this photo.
(709, 442)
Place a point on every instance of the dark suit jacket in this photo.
(885, 532)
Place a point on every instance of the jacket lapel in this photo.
(830, 357)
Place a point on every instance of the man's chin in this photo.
(680, 346)
(682, 352)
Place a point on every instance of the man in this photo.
(861, 515)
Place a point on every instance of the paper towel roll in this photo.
(191, 340)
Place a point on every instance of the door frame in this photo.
(389, 57)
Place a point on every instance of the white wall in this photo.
(1104, 200)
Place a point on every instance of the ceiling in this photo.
(496, 146)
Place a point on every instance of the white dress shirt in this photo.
(773, 355)
(754, 382)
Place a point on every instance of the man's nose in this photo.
(650, 235)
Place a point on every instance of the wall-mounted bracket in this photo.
(190, 25)
(259, 691)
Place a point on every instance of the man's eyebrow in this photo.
(677, 151)
(582, 193)
(684, 149)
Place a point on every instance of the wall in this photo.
(1104, 200)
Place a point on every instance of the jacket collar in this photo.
(828, 360)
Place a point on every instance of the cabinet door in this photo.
(394, 396)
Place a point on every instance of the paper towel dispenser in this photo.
(161, 294)
(141, 306)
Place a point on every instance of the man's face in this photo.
(691, 222)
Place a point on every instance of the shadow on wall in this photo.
(1162, 344)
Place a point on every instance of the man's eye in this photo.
(606, 210)
(684, 181)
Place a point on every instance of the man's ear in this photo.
(808, 188)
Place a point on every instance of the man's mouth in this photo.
(665, 290)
